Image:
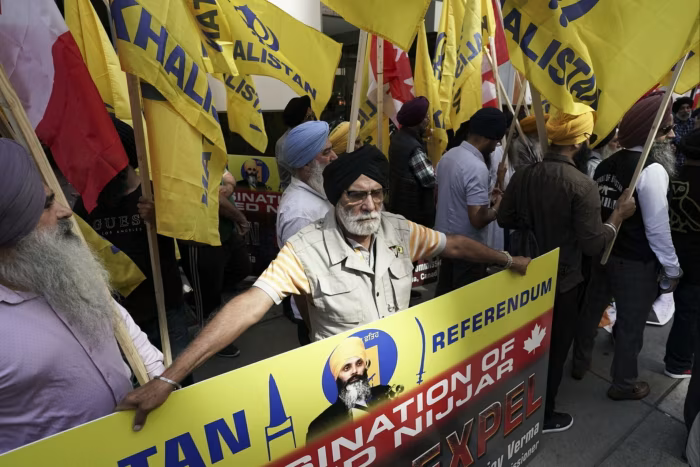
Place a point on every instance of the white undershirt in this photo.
(652, 188)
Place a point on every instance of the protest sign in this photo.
(460, 378)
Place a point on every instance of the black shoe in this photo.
(558, 422)
(578, 373)
(229, 351)
(639, 391)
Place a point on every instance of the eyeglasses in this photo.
(356, 197)
(666, 130)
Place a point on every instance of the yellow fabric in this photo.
(477, 26)
(285, 274)
(445, 60)
(352, 347)
(565, 129)
(690, 76)
(270, 42)
(339, 137)
(243, 110)
(124, 275)
(215, 34)
(159, 41)
(395, 20)
(427, 85)
(529, 123)
(367, 113)
(99, 57)
(186, 169)
(603, 56)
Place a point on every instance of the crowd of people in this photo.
(350, 227)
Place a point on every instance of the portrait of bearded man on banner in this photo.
(253, 177)
(356, 397)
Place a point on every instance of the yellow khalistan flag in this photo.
(270, 42)
(159, 41)
(215, 34)
(394, 20)
(477, 25)
(367, 113)
(427, 85)
(99, 56)
(187, 170)
(599, 55)
(445, 60)
(243, 110)
(690, 76)
(124, 275)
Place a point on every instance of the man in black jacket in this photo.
(412, 178)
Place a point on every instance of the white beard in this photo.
(360, 224)
(316, 178)
(55, 264)
(359, 391)
(662, 153)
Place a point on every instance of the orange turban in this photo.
(565, 129)
(529, 124)
(339, 137)
(349, 348)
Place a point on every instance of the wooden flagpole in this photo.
(651, 137)
(24, 134)
(134, 87)
(539, 119)
(511, 130)
(380, 93)
(357, 85)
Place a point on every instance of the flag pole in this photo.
(651, 137)
(539, 119)
(511, 133)
(24, 134)
(134, 88)
(355, 105)
(380, 93)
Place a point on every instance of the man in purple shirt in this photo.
(59, 361)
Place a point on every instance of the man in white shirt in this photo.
(643, 253)
(307, 152)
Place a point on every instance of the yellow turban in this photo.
(339, 137)
(529, 125)
(349, 348)
(564, 129)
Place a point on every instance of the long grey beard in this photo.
(662, 152)
(55, 264)
(316, 178)
(359, 391)
(361, 224)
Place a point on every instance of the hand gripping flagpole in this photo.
(355, 106)
(650, 140)
(24, 134)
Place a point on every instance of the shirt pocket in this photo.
(401, 276)
(339, 299)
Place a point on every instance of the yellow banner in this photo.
(159, 41)
(254, 173)
(124, 275)
(600, 55)
(243, 110)
(394, 20)
(99, 57)
(427, 85)
(215, 34)
(270, 42)
(186, 169)
(445, 59)
(478, 24)
(472, 362)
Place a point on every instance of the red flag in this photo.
(489, 98)
(47, 71)
(397, 75)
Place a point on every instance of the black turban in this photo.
(342, 172)
(690, 145)
(489, 123)
(680, 101)
(295, 112)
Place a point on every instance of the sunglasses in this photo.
(356, 197)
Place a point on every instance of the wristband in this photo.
(509, 260)
(169, 381)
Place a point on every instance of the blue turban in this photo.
(22, 196)
(304, 142)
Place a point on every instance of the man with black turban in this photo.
(353, 267)
(60, 365)
(298, 111)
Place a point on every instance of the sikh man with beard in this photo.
(60, 365)
(297, 111)
(356, 397)
(307, 152)
(558, 205)
(352, 267)
(643, 253)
